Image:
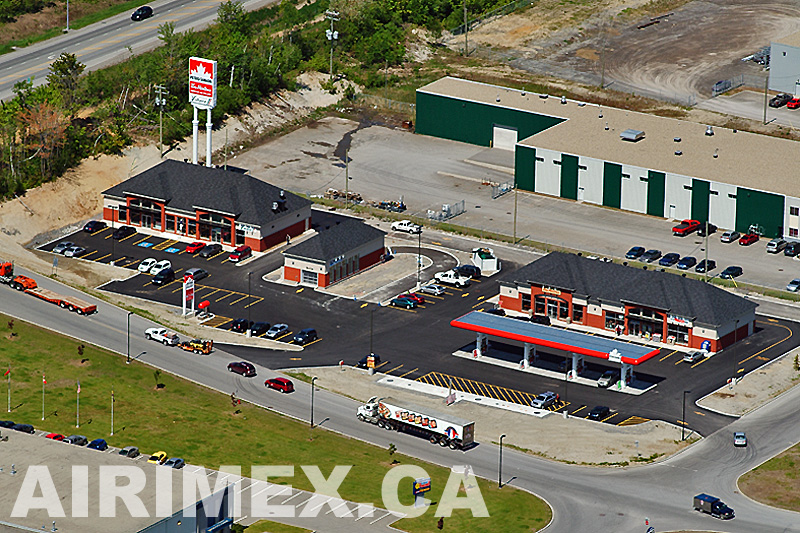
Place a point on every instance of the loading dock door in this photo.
(308, 278)
(504, 137)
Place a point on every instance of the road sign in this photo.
(202, 82)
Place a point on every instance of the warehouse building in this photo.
(784, 64)
(622, 159)
(180, 200)
(653, 305)
(334, 254)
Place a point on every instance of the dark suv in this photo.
(792, 249)
(469, 270)
(122, 232)
(240, 325)
(305, 336)
(165, 276)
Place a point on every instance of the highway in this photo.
(583, 499)
(109, 41)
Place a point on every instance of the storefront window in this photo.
(192, 228)
(681, 333)
(123, 214)
(541, 305)
(563, 310)
(577, 313)
(614, 319)
(170, 223)
(526, 301)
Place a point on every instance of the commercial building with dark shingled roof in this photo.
(184, 201)
(631, 301)
(334, 254)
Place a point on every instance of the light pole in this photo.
(248, 297)
(331, 34)
(683, 417)
(733, 349)
(419, 255)
(500, 467)
(312, 400)
(128, 360)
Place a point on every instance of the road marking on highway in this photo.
(740, 371)
(295, 359)
(254, 303)
(465, 295)
(481, 297)
(681, 422)
(395, 368)
(298, 291)
(407, 373)
(673, 352)
(239, 300)
(364, 305)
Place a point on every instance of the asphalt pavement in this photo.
(583, 499)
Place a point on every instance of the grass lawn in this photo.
(777, 482)
(187, 420)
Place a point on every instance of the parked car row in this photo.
(671, 259)
(275, 331)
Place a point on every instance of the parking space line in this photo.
(168, 284)
(137, 242)
(402, 309)
(679, 361)
(478, 305)
(245, 297)
(210, 293)
(254, 303)
(364, 305)
(100, 258)
(284, 336)
(481, 297)
(395, 368)
(409, 372)
(86, 256)
(673, 352)
(100, 231)
(434, 296)
(582, 407)
(382, 364)
(213, 256)
(609, 417)
(176, 290)
(700, 362)
(455, 289)
(226, 296)
(313, 342)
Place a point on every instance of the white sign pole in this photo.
(195, 128)
(208, 137)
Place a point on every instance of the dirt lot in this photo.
(685, 53)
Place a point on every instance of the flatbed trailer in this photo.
(65, 302)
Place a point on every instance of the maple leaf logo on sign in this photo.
(202, 82)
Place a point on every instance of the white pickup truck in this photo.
(451, 277)
(169, 338)
(407, 226)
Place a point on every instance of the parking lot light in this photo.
(248, 297)
(128, 360)
(500, 466)
(312, 400)
(683, 417)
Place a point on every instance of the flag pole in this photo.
(78, 413)
(112, 412)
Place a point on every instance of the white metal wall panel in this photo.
(722, 205)
(504, 137)
(678, 192)
(791, 223)
(548, 174)
(634, 189)
(591, 180)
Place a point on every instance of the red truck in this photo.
(29, 285)
(686, 227)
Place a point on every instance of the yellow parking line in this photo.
(478, 305)
(436, 243)
(609, 417)
(210, 293)
(254, 303)
(380, 365)
(168, 284)
(213, 256)
(434, 296)
(409, 372)
(226, 296)
(578, 409)
(224, 323)
(364, 305)
(465, 295)
(313, 342)
(298, 291)
(283, 336)
(98, 232)
(481, 297)
(137, 242)
(86, 256)
(100, 258)
(240, 299)
(176, 290)
(673, 352)
(455, 289)
(402, 309)
(395, 368)
(700, 362)
(681, 422)
(224, 260)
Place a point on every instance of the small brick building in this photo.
(181, 200)
(334, 254)
(659, 305)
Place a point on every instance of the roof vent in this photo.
(716, 153)
(274, 207)
(676, 139)
(709, 131)
(544, 96)
(563, 99)
(581, 104)
(600, 115)
(644, 267)
(522, 93)
(632, 135)
(678, 152)
(734, 131)
(498, 98)
(282, 194)
(606, 126)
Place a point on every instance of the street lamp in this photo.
(248, 297)
(683, 417)
(733, 349)
(500, 467)
(312, 400)
(128, 360)
(419, 255)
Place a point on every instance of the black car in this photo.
(780, 100)
(6, 424)
(78, 440)
(635, 252)
(25, 428)
(705, 266)
(165, 276)
(669, 259)
(686, 263)
(495, 311)
(210, 250)
(731, 272)
(599, 412)
(650, 255)
(541, 319)
(792, 249)
(469, 270)
(304, 336)
(701, 232)
(259, 328)
(242, 367)
(240, 325)
(123, 232)
(363, 362)
(144, 12)
(94, 225)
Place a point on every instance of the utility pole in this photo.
(515, 215)
(161, 93)
(331, 34)
(766, 88)
(466, 31)
(705, 270)
(346, 177)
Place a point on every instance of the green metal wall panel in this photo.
(655, 193)
(700, 193)
(612, 184)
(569, 176)
(471, 122)
(525, 168)
(757, 207)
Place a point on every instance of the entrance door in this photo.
(216, 234)
(552, 308)
(147, 221)
(580, 194)
(671, 211)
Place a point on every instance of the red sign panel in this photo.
(202, 82)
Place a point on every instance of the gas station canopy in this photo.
(556, 338)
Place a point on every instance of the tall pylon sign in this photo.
(202, 95)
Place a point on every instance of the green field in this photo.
(200, 425)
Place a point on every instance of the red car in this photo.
(55, 436)
(281, 384)
(414, 297)
(194, 247)
(794, 103)
(747, 240)
(242, 252)
(686, 227)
